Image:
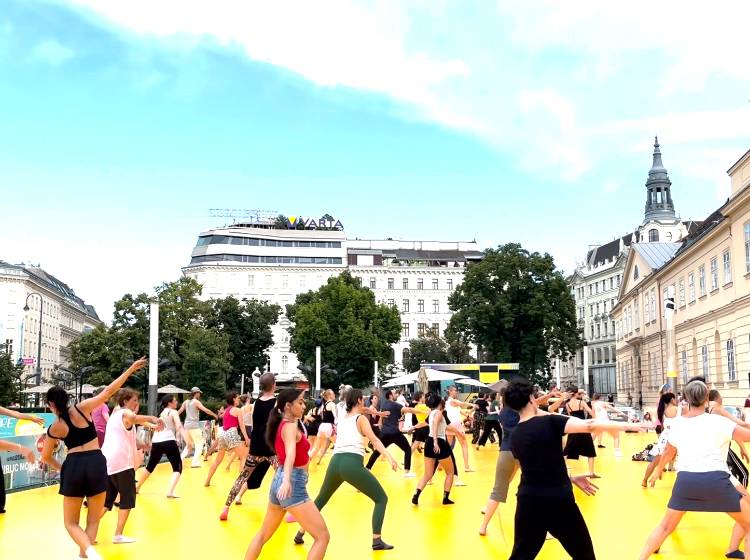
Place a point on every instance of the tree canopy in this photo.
(517, 307)
(10, 380)
(352, 330)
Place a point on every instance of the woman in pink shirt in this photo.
(100, 417)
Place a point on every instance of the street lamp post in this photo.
(38, 372)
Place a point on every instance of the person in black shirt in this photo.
(545, 501)
(260, 456)
(390, 432)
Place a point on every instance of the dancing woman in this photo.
(327, 413)
(289, 487)
(230, 438)
(666, 412)
(436, 451)
(701, 442)
(193, 434)
(347, 465)
(163, 443)
(453, 409)
(83, 474)
(20, 449)
(578, 444)
(600, 411)
(492, 421)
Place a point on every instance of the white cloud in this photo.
(52, 52)
(520, 75)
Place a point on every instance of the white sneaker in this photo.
(458, 482)
(122, 539)
(618, 453)
(409, 474)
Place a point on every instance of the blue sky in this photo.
(124, 122)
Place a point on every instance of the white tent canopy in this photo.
(432, 375)
(43, 388)
(470, 381)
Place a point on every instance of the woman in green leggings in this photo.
(347, 465)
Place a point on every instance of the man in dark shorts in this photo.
(390, 432)
(261, 456)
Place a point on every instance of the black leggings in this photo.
(168, 448)
(490, 425)
(400, 440)
(535, 516)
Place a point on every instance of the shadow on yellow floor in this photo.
(619, 518)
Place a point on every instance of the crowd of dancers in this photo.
(281, 432)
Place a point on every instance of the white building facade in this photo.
(264, 262)
(64, 317)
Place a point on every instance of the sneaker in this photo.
(618, 453)
(409, 474)
(380, 544)
(458, 482)
(122, 539)
(224, 514)
(299, 538)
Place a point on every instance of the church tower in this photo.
(659, 203)
(661, 224)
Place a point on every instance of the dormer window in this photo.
(653, 236)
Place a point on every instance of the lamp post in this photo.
(38, 371)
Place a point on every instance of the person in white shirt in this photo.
(600, 410)
(453, 409)
(701, 442)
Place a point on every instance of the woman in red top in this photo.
(232, 437)
(285, 434)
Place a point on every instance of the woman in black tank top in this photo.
(83, 474)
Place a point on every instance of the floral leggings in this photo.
(253, 471)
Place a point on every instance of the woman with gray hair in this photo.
(701, 442)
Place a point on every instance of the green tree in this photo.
(350, 327)
(247, 325)
(10, 375)
(107, 350)
(429, 348)
(207, 361)
(518, 308)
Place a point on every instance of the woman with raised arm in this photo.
(437, 451)
(83, 474)
(666, 412)
(289, 487)
(164, 443)
(578, 444)
(347, 465)
(327, 413)
(20, 449)
(193, 433)
(601, 411)
(701, 442)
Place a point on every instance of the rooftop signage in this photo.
(324, 222)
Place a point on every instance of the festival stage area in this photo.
(619, 517)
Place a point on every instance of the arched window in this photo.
(653, 236)
(284, 363)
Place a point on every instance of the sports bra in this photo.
(328, 416)
(76, 436)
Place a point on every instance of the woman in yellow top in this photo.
(420, 427)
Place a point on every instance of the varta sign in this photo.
(325, 222)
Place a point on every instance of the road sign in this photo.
(29, 361)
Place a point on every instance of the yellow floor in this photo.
(619, 518)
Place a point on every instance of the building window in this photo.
(405, 331)
(251, 280)
(681, 292)
(405, 355)
(731, 367)
(653, 236)
(434, 283)
(747, 246)
(421, 329)
(373, 282)
(637, 313)
(606, 355)
(611, 283)
(285, 281)
(653, 304)
(691, 287)
(592, 331)
(302, 281)
(714, 274)
(420, 283)
(405, 306)
(684, 364)
(726, 258)
(284, 363)
(405, 283)
(597, 287)
(598, 355)
(598, 330)
(390, 283)
(704, 361)
(435, 306)
(605, 329)
(636, 273)
(702, 280)
(450, 283)
(619, 276)
(391, 303)
(420, 306)
(436, 329)
(267, 281)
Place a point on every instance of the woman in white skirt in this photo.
(703, 483)
(229, 438)
(666, 412)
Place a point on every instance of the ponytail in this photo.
(57, 396)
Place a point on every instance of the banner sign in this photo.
(18, 474)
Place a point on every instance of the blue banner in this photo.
(19, 474)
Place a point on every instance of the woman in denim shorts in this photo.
(285, 433)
